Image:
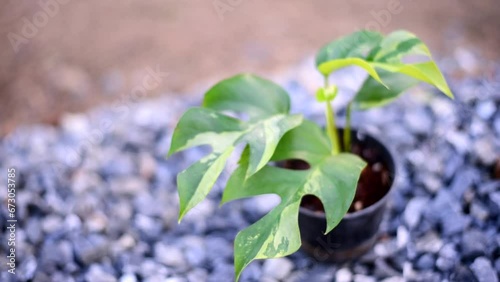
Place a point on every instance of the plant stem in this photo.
(331, 128)
(347, 129)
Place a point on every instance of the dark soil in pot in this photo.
(357, 232)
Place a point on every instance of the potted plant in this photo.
(314, 171)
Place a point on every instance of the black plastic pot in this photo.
(357, 232)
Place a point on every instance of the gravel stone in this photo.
(426, 262)
(296, 276)
(402, 236)
(217, 247)
(448, 258)
(363, 278)
(128, 186)
(418, 121)
(114, 164)
(496, 124)
(459, 140)
(321, 273)
(278, 268)
(429, 276)
(453, 166)
(150, 268)
(98, 274)
(429, 243)
(96, 222)
(383, 269)
(128, 278)
(478, 128)
(399, 132)
(175, 279)
(61, 277)
(150, 227)
(34, 230)
(343, 275)
(488, 187)
(413, 211)
(125, 242)
(253, 272)
(51, 224)
(483, 270)
(446, 210)
(268, 279)
(393, 279)
(474, 244)
(432, 182)
(479, 211)
(90, 249)
(495, 199)
(28, 268)
(485, 151)
(149, 205)
(222, 272)
(464, 181)
(455, 223)
(462, 274)
(466, 59)
(194, 250)
(169, 255)
(56, 254)
(486, 109)
(386, 248)
(196, 275)
(147, 166)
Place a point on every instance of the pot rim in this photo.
(377, 204)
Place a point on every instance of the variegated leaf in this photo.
(384, 63)
(209, 126)
(332, 178)
(355, 45)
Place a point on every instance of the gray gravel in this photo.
(97, 201)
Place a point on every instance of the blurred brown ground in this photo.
(90, 52)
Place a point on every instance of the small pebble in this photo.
(483, 270)
(343, 275)
(278, 268)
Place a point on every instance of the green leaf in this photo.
(332, 178)
(263, 137)
(356, 45)
(208, 126)
(398, 44)
(199, 126)
(382, 57)
(195, 182)
(426, 72)
(326, 94)
(248, 94)
(373, 94)
(331, 66)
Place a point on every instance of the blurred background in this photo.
(61, 56)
